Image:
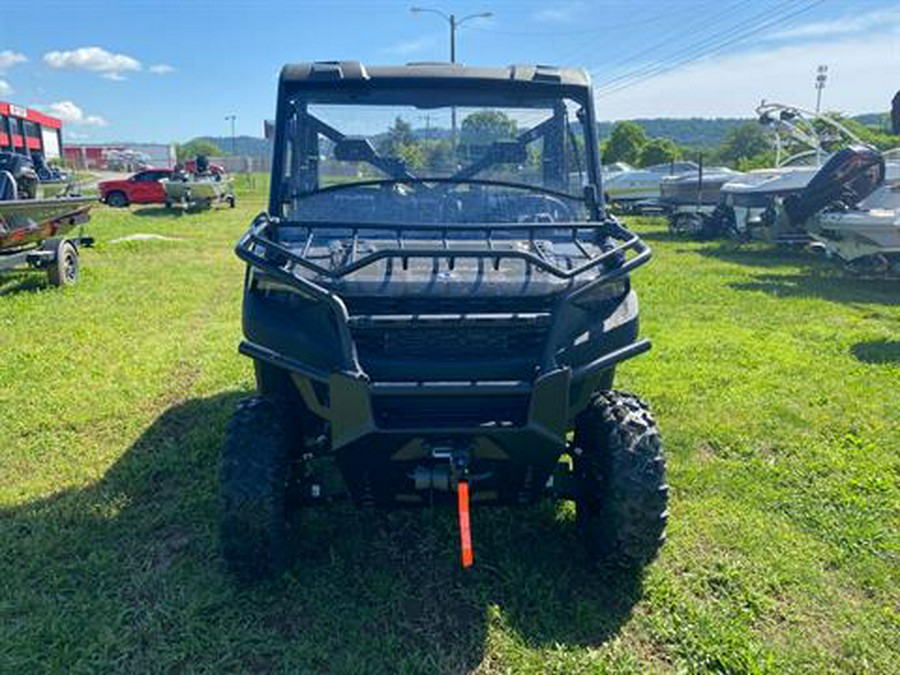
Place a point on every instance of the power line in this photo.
(574, 55)
(698, 46)
(644, 74)
(685, 30)
(586, 31)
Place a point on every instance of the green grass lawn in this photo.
(775, 380)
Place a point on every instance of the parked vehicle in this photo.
(804, 140)
(448, 334)
(199, 191)
(635, 190)
(34, 231)
(690, 199)
(850, 212)
(144, 187)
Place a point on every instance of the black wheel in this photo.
(231, 201)
(63, 271)
(273, 382)
(117, 199)
(688, 225)
(254, 479)
(621, 473)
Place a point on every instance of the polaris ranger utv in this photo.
(437, 314)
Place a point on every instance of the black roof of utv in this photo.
(355, 75)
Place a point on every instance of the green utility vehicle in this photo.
(435, 303)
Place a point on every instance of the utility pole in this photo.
(821, 77)
(454, 23)
(427, 118)
(232, 118)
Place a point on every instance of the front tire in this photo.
(117, 200)
(254, 479)
(621, 476)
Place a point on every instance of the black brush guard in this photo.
(514, 454)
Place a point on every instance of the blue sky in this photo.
(161, 71)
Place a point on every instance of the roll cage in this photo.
(428, 86)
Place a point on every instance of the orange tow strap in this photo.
(465, 530)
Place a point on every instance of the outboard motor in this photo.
(851, 175)
(202, 165)
(21, 170)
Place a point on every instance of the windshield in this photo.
(398, 164)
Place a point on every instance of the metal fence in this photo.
(241, 164)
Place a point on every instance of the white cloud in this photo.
(67, 111)
(409, 47)
(9, 58)
(5, 88)
(862, 77)
(95, 59)
(566, 12)
(161, 69)
(846, 25)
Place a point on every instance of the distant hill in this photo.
(246, 146)
(881, 121)
(695, 132)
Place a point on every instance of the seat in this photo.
(8, 188)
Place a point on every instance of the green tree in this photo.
(876, 136)
(400, 134)
(198, 146)
(659, 151)
(486, 126)
(412, 154)
(744, 143)
(438, 156)
(625, 143)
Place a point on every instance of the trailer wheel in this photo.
(64, 269)
(231, 201)
(688, 224)
(621, 479)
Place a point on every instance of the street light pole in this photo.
(454, 24)
(452, 38)
(232, 118)
(821, 76)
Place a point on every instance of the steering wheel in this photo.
(540, 209)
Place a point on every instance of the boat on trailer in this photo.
(851, 212)
(200, 188)
(34, 232)
(804, 141)
(690, 200)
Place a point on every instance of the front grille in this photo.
(449, 412)
(449, 342)
(433, 304)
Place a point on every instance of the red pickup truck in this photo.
(144, 187)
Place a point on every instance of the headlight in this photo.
(594, 298)
(267, 287)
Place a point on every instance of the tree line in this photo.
(747, 146)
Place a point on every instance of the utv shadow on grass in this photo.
(877, 352)
(125, 575)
